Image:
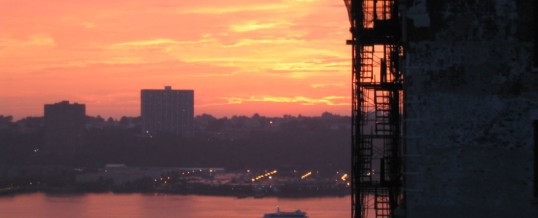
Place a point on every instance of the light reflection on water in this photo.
(162, 205)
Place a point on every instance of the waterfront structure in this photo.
(167, 111)
(64, 129)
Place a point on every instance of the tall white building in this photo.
(167, 111)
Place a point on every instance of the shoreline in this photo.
(72, 192)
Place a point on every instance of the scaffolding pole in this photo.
(377, 107)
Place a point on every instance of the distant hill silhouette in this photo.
(300, 142)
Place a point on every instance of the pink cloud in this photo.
(86, 50)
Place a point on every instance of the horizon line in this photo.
(197, 115)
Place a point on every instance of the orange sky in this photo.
(241, 57)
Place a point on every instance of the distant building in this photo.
(167, 111)
(64, 128)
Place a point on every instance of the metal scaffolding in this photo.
(377, 107)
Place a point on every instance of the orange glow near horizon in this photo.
(271, 57)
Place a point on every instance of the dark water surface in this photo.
(163, 205)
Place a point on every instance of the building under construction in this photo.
(445, 108)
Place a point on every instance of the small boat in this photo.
(283, 214)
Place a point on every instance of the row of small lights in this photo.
(183, 173)
(166, 179)
(194, 171)
(269, 175)
(344, 177)
(306, 175)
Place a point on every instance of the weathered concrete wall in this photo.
(471, 97)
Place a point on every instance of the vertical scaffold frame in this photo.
(377, 107)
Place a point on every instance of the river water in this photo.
(165, 205)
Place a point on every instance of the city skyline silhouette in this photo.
(241, 57)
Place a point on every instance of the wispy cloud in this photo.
(248, 42)
(235, 9)
(212, 75)
(252, 25)
(325, 85)
(227, 60)
(33, 40)
(156, 42)
(88, 25)
(327, 100)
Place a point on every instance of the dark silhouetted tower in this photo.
(167, 111)
(64, 129)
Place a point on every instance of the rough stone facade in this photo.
(471, 96)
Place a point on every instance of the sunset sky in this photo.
(241, 57)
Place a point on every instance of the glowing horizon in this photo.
(240, 57)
